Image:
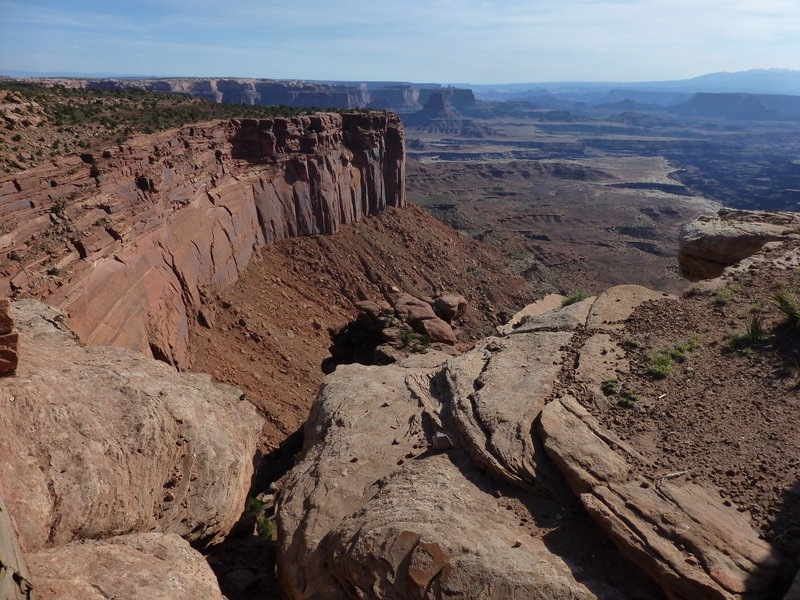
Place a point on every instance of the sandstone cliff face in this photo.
(401, 97)
(125, 241)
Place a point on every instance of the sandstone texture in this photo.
(439, 476)
(709, 244)
(9, 340)
(139, 566)
(386, 331)
(126, 241)
(109, 458)
(15, 579)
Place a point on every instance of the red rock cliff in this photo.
(126, 240)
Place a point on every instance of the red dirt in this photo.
(270, 331)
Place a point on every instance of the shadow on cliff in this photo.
(244, 562)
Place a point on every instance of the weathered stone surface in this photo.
(615, 305)
(548, 303)
(682, 535)
(709, 244)
(15, 580)
(450, 307)
(369, 513)
(559, 319)
(497, 391)
(98, 441)
(169, 213)
(141, 566)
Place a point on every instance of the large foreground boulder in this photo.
(108, 459)
(139, 566)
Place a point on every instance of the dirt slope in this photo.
(270, 330)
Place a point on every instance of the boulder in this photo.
(709, 244)
(97, 442)
(140, 566)
(450, 307)
(413, 310)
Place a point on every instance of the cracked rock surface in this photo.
(374, 509)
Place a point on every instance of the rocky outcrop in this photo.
(125, 241)
(683, 536)
(107, 460)
(100, 441)
(140, 566)
(440, 476)
(709, 244)
(384, 332)
(9, 340)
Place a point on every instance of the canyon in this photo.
(499, 454)
(127, 240)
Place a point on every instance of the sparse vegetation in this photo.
(787, 302)
(723, 297)
(609, 387)
(575, 297)
(660, 363)
(754, 333)
(54, 271)
(627, 398)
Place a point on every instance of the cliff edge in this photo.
(126, 240)
(634, 444)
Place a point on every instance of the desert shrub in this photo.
(659, 365)
(609, 386)
(786, 302)
(723, 297)
(265, 528)
(575, 297)
(53, 271)
(627, 398)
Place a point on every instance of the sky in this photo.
(444, 41)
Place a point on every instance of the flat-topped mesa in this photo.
(126, 239)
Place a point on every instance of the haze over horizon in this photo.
(476, 41)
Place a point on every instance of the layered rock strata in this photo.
(125, 241)
(440, 476)
(397, 96)
(112, 462)
(709, 244)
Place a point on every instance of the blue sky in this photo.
(476, 41)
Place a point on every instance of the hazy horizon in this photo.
(474, 41)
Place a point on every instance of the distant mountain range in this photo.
(665, 93)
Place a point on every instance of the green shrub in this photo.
(723, 297)
(627, 398)
(575, 297)
(265, 528)
(53, 271)
(786, 302)
(660, 365)
(609, 387)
